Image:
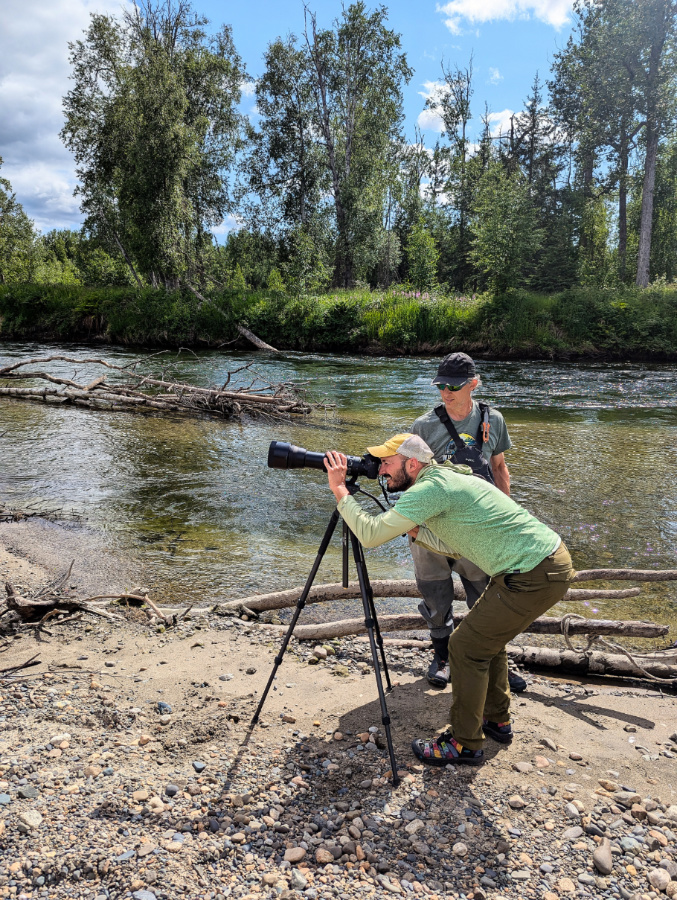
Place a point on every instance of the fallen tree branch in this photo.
(626, 575)
(660, 665)
(136, 391)
(402, 588)
(33, 661)
(542, 625)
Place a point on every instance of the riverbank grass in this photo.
(624, 322)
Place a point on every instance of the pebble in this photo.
(251, 670)
(602, 858)
(298, 881)
(199, 766)
(164, 708)
(314, 817)
(27, 793)
(659, 879)
(29, 819)
(227, 677)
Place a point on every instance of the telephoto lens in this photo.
(286, 456)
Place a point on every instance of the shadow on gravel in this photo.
(330, 810)
(579, 708)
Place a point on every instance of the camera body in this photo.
(286, 456)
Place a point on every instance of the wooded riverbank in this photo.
(592, 322)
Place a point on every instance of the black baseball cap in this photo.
(455, 369)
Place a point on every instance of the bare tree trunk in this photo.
(544, 625)
(661, 664)
(623, 204)
(646, 220)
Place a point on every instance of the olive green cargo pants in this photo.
(477, 655)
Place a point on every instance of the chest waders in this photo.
(470, 456)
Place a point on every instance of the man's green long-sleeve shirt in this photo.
(459, 515)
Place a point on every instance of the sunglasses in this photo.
(450, 387)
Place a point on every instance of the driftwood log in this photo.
(34, 609)
(133, 390)
(543, 625)
(403, 588)
(661, 665)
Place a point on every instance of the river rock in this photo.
(601, 857)
(459, 849)
(565, 886)
(28, 792)
(323, 856)
(294, 854)
(31, 818)
(626, 798)
(659, 879)
(516, 802)
(671, 813)
(571, 811)
(299, 882)
(413, 827)
(572, 833)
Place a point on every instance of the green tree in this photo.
(452, 102)
(505, 229)
(17, 237)
(356, 72)
(286, 166)
(153, 124)
(304, 269)
(614, 89)
(422, 257)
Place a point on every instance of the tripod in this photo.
(370, 619)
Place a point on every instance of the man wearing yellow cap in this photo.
(451, 512)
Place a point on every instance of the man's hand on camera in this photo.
(337, 469)
(414, 532)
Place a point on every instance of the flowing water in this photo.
(194, 510)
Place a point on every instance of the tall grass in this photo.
(581, 322)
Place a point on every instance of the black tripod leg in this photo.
(377, 627)
(299, 606)
(370, 622)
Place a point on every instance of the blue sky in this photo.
(510, 40)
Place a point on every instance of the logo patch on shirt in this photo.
(451, 448)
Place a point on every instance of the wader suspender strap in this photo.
(443, 416)
(482, 434)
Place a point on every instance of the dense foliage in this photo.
(579, 190)
(623, 323)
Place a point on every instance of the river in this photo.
(193, 508)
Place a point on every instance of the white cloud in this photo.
(429, 120)
(494, 75)
(248, 88)
(552, 12)
(34, 73)
(499, 122)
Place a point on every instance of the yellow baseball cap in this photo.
(409, 445)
